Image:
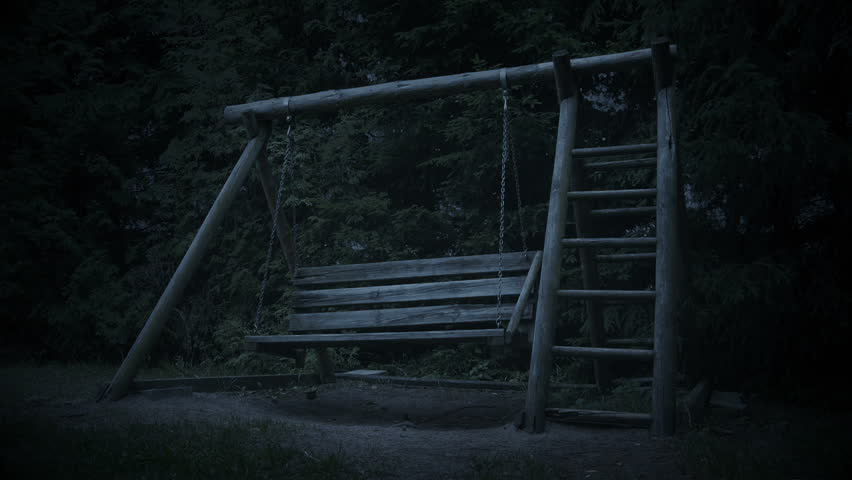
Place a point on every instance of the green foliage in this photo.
(119, 148)
(469, 361)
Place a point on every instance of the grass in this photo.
(231, 450)
(503, 467)
(770, 444)
(624, 398)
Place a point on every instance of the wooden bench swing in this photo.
(436, 300)
(455, 310)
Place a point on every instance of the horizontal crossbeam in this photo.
(433, 87)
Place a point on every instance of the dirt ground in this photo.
(418, 433)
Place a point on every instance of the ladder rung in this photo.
(623, 212)
(608, 194)
(616, 150)
(622, 342)
(619, 164)
(626, 257)
(629, 295)
(610, 242)
(604, 353)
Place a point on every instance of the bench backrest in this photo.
(465, 301)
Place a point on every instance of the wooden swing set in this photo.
(461, 299)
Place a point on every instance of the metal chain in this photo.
(504, 159)
(286, 165)
(517, 188)
(295, 232)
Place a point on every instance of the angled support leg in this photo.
(174, 290)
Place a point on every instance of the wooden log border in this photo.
(228, 383)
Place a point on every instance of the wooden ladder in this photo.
(569, 183)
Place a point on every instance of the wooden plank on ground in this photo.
(599, 417)
(401, 317)
(222, 384)
(363, 373)
(454, 383)
(413, 269)
(416, 292)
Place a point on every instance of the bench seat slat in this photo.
(402, 317)
(412, 269)
(416, 292)
(277, 343)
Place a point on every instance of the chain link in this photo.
(286, 165)
(517, 187)
(504, 159)
(295, 232)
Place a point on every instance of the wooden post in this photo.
(541, 361)
(154, 325)
(668, 246)
(589, 271)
